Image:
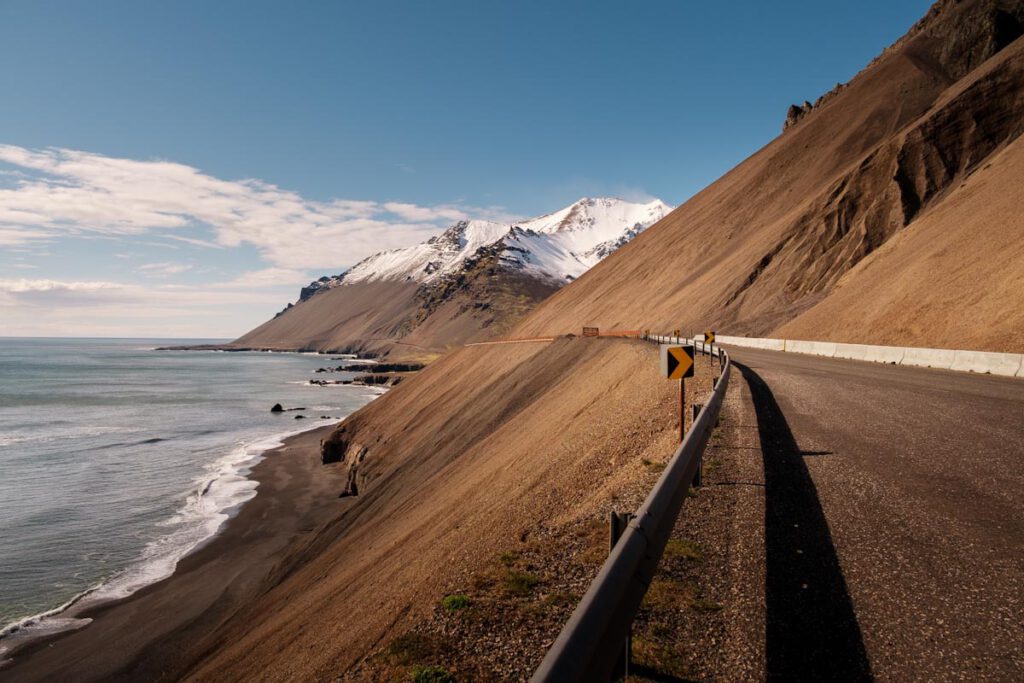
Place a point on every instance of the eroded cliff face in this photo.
(894, 183)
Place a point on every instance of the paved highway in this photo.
(894, 519)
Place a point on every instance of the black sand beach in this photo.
(161, 631)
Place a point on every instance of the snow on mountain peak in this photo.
(558, 246)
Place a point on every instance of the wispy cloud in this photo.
(44, 307)
(53, 193)
(23, 286)
(267, 277)
(164, 269)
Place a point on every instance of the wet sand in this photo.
(161, 631)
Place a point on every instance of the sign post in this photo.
(677, 363)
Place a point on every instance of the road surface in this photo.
(894, 519)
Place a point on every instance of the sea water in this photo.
(117, 459)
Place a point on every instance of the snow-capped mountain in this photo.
(557, 247)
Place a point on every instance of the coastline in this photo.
(160, 630)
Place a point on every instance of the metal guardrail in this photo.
(594, 638)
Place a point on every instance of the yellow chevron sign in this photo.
(709, 336)
(676, 361)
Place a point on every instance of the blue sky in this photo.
(179, 168)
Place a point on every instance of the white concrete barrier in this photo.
(1006, 364)
(754, 342)
(815, 348)
(852, 351)
(885, 354)
(928, 358)
(867, 352)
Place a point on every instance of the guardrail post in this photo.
(698, 478)
(617, 524)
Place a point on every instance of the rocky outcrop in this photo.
(965, 39)
(319, 285)
(340, 448)
(795, 113)
(798, 112)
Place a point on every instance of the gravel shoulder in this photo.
(703, 617)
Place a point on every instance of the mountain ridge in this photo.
(472, 281)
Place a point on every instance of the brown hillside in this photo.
(880, 158)
(966, 256)
(894, 203)
(874, 195)
(486, 447)
(403, 319)
(377, 312)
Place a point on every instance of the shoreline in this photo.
(160, 629)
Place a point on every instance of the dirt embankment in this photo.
(487, 449)
(703, 617)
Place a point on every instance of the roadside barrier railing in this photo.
(595, 637)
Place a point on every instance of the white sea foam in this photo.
(39, 625)
(216, 495)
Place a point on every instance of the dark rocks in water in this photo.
(300, 417)
(386, 380)
(327, 382)
(383, 367)
(277, 408)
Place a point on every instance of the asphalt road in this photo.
(894, 519)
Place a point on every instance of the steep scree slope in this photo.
(774, 237)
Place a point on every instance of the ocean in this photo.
(117, 459)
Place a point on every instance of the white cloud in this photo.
(164, 268)
(55, 307)
(267, 277)
(22, 286)
(193, 241)
(60, 192)
(412, 212)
